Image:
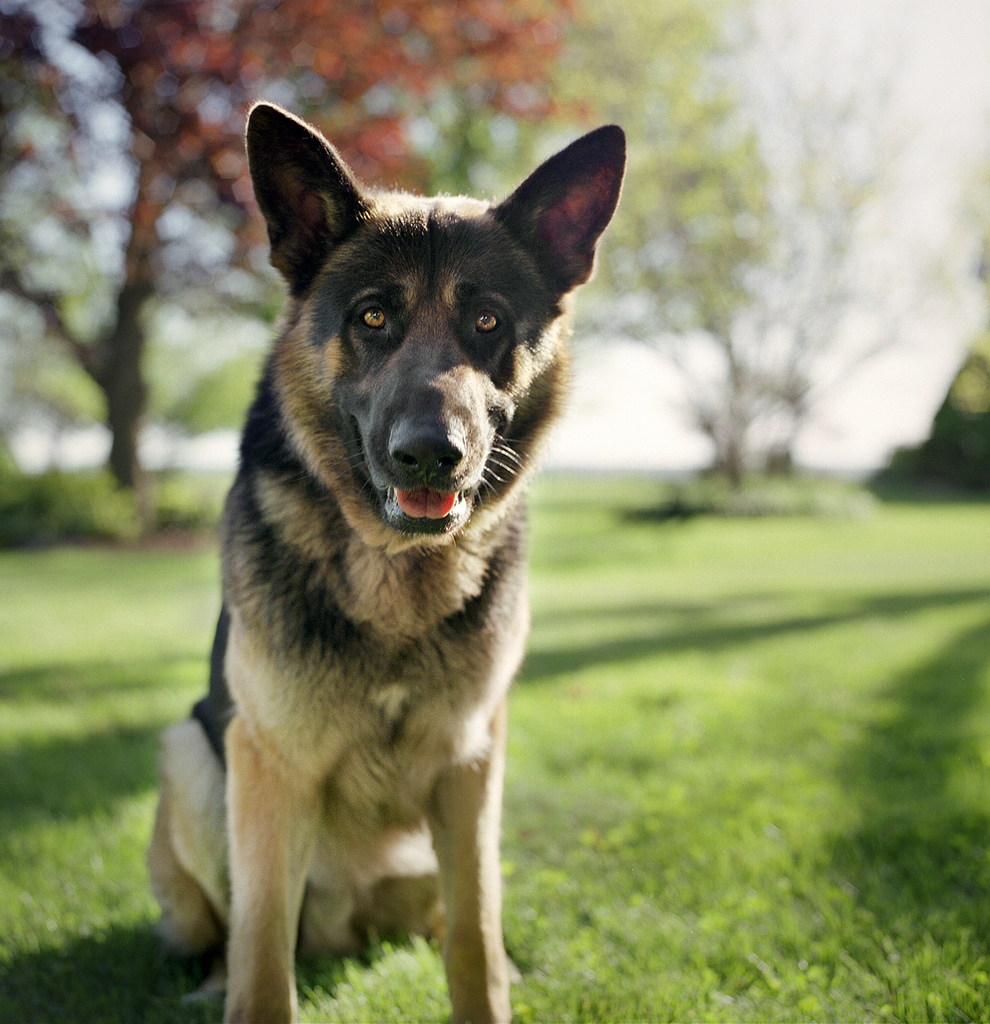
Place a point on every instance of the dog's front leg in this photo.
(465, 818)
(271, 829)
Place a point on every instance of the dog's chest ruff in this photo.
(375, 742)
(373, 707)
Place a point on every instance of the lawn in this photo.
(749, 774)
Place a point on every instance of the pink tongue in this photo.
(425, 504)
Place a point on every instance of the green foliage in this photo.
(218, 398)
(958, 450)
(205, 361)
(748, 772)
(690, 220)
(187, 502)
(41, 378)
(57, 506)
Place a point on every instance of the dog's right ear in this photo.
(309, 198)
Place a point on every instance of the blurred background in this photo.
(796, 280)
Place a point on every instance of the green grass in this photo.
(749, 774)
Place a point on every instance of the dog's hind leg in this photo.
(187, 858)
(356, 896)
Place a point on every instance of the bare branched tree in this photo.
(828, 298)
(746, 255)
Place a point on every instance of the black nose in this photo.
(423, 451)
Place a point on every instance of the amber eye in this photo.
(374, 318)
(486, 322)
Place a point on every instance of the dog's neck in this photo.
(408, 594)
(400, 594)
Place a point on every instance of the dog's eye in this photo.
(373, 318)
(486, 322)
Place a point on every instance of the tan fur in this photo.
(464, 816)
(187, 858)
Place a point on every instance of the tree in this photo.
(957, 450)
(826, 298)
(739, 255)
(124, 178)
(689, 232)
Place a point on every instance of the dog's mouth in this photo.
(410, 501)
(425, 503)
(425, 510)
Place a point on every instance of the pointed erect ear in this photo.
(309, 198)
(561, 209)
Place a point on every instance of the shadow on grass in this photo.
(920, 861)
(77, 680)
(122, 975)
(713, 632)
(62, 778)
(125, 976)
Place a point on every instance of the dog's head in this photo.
(423, 357)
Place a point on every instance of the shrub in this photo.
(957, 452)
(763, 496)
(56, 506)
(188, 503)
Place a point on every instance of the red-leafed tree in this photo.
(157, 91)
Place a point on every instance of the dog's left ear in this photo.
(561, 209)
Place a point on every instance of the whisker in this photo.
(507, 454)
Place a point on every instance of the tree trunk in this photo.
(124, 387)
(121, 369)
(730, 462)
(779, 459)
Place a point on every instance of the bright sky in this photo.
(624, 411)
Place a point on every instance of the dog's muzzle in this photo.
(426, 472)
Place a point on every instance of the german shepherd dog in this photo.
(342, 780)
